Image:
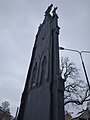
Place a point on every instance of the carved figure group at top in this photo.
(49, 10)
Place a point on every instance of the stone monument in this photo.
(42, 98)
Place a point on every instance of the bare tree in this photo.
(5, 106)
(76, 90)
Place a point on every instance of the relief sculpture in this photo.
(34, 76)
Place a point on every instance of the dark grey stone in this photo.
(38, 104)
(43, 94)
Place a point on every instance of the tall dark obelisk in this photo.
(42, 98)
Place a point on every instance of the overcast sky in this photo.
(19, 21)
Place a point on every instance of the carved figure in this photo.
(54, 11)
(48, 9)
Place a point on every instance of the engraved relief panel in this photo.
(44, 68)
(34, 75)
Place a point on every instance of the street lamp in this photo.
(80, 53)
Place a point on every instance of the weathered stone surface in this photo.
(42, 98)
(38, 104)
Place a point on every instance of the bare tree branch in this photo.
(74, 86)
